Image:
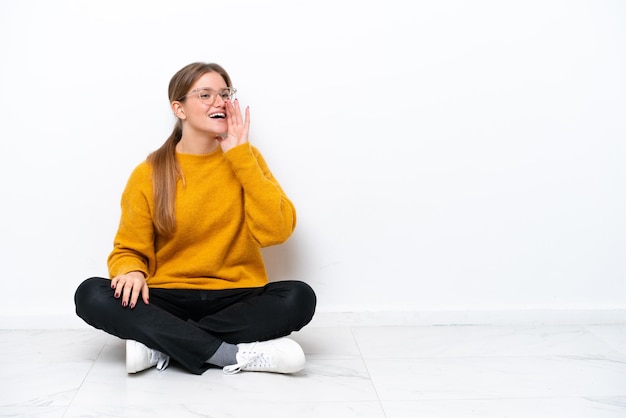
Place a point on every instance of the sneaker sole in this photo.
(131, 356)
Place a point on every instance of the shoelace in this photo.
(254, 359)
(162, 360)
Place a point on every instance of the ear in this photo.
(177, 109)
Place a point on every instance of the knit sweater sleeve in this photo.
(133, 247)
(270, 215)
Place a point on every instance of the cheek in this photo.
(199, 114)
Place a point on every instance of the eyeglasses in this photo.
(208, 95)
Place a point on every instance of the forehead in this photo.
(212, 80)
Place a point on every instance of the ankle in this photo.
(226, 354)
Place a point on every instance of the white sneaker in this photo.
(139, 357)
(277, 356)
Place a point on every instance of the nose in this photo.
(219, 96)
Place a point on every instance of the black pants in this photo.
(190, 325)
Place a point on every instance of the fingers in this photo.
(145, 294)
(234, 111)
(232, 117)
(128, 288)
(127, 292)
(238, 126)
(247, 120)
(235, 117)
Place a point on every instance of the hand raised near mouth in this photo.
(238, 126)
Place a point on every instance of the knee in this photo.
(302, 299)
(305, 294)
(90, 294)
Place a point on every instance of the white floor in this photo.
(426, 371)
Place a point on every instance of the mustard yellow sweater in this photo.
(229, 207)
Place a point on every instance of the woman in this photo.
(187, 276)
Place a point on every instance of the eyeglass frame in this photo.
(216, 93)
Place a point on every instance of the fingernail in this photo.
(132, 306)
(117, 295)
(124, 304)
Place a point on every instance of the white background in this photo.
(442, 155)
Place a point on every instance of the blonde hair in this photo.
(165, 168)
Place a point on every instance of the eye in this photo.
(225, 94)
(205, 95)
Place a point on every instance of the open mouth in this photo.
(217, 115)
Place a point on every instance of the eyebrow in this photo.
(211, 88)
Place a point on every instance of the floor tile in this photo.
(371, 372)
(31, 346)
(510, 408)
(497, 377)
(33, 412)
(613, 335)
(322, 380)
(209, 407)
(39, 384)
(478, 341)
(328, 343)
